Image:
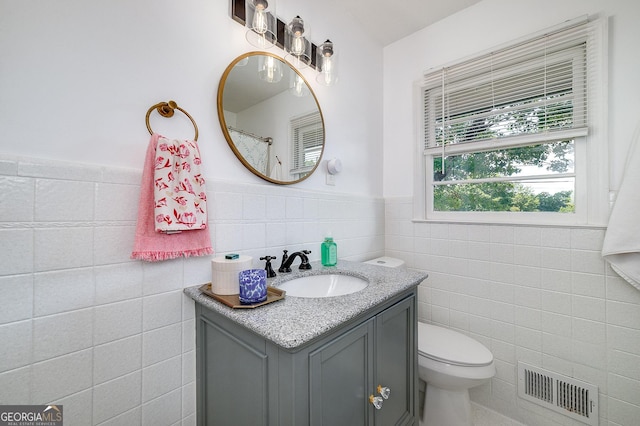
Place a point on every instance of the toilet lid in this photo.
(451, 347)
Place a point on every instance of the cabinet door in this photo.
(340, 374)
(233, 378)
(395, 362)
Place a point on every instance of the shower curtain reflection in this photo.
(255, 149)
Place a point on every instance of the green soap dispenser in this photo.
(329, 252)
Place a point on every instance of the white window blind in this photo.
(532, 87)
(307, 136)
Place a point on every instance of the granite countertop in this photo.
(294, 321)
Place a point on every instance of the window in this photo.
(513, 135)
(307, 139)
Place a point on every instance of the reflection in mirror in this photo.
(271, 118)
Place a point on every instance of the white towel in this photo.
(621, 246)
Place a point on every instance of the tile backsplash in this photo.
(542, 295)
(112, 339)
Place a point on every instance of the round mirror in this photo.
(271, 118)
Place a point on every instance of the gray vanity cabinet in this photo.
(245, 379)
(346, 371)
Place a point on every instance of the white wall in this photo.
(78, 77)
(81, 324)
(492, 23)
(537, 294)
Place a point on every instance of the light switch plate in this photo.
(331, 179)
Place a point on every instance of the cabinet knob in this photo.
(384, 391)
(376, 401)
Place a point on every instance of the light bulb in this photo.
(297, 46)
(298, 86)
(260, 23)
(327, 68)
(270, 70)
(325, 59)
(296, 34)
(326, 79)
(327, 65)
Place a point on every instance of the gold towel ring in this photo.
(166, 109)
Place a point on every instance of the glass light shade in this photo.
(297, 43)
(298, 86)
(261, 23)
(269, 69)
(326, 63)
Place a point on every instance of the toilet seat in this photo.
(450, 347)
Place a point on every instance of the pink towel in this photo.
(152, 245)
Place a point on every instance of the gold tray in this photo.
(233, 300)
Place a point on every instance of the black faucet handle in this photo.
(267, 267)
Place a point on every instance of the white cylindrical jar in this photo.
(224, 274)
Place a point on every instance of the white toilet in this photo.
(450, 363)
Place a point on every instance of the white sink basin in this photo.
(327, 285)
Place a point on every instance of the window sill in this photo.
(531, 224)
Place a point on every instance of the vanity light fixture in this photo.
(262, 29)
(326, 64)
(265, 29)
(297, 44)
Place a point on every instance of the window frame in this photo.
(591, 151)
(298, 126)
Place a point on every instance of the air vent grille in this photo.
(565, 395)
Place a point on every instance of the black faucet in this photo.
(287, 260)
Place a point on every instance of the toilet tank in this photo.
(389, 262)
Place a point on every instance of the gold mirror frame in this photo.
(284, 120)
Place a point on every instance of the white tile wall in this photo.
(116, 396)
(160, 378)
(19, 352)
(16, 386)
(62, 334)
(16, 292)
(541, 295)
(163, 411)
(61, 291)
(60, 377)
(117, 320)
(78, 204)
(17, 198)
(16, 250)
(118, 358)
(113, 339)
